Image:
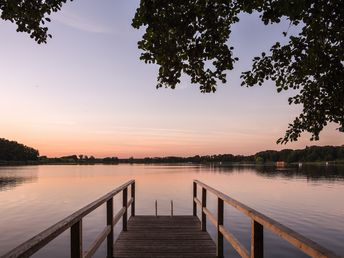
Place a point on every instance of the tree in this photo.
(14, 151)
(30, 15)
(191, 37)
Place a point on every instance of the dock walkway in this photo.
(164, 236)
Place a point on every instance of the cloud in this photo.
(171, 132)
(78, 22)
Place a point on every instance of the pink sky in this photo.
(86, 92)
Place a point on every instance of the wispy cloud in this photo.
(171, 132)
(79, 22)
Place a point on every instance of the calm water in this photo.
(309, 200)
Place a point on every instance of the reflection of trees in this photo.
(9, 182)
(309, 172)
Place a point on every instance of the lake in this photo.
(307, 199)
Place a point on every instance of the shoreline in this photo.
(125, 161)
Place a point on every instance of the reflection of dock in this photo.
(167, 236)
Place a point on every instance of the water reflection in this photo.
(323, 173)
(299, 198)
(12, 177)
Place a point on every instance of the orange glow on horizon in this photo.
(149, 144)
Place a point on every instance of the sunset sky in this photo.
(87, 92)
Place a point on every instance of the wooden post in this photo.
(204, 204)
(134, 200)
(125, 205)
(109, 222)
(171, 208)
(193, 199)
(257, 240)
(76, 240)
(219, 246)
(156, 208)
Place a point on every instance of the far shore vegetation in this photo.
(14, 153)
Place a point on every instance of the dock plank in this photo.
(164, 236)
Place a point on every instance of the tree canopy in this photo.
(192, 37)
(30, 15)
(14, 151)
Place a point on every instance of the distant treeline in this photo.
(78, 159)
(11, 152)
(309, 154)
(14, 151)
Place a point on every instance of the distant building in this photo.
(280, 164)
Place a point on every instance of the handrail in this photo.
(259, 221)
(74, 221)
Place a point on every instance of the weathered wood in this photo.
(204, 204)
(219, 242)
(109, 222)
(164, 236)
(164, 255)
(210, 216)
(177, 235)
(156, 208)
(130, 202)
(198, 202)
(234, 242)
(76, 240)
(133, 197)
(257, 240)
(194, 204)
(125, 205)
(31, 246)
(118, 216)
(99, 240)
(306, 245)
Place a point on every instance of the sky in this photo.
(87, 92)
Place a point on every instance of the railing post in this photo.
(109, 222)
(193, 199)
(204, 204)
(133, 196)
(156, 208)
(76, 240)
(125, 205)
(219, 246)
(257, 240)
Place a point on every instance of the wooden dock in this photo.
(164, 236)
(167, 236)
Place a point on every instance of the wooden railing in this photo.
(74, 222)
(259, 222)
